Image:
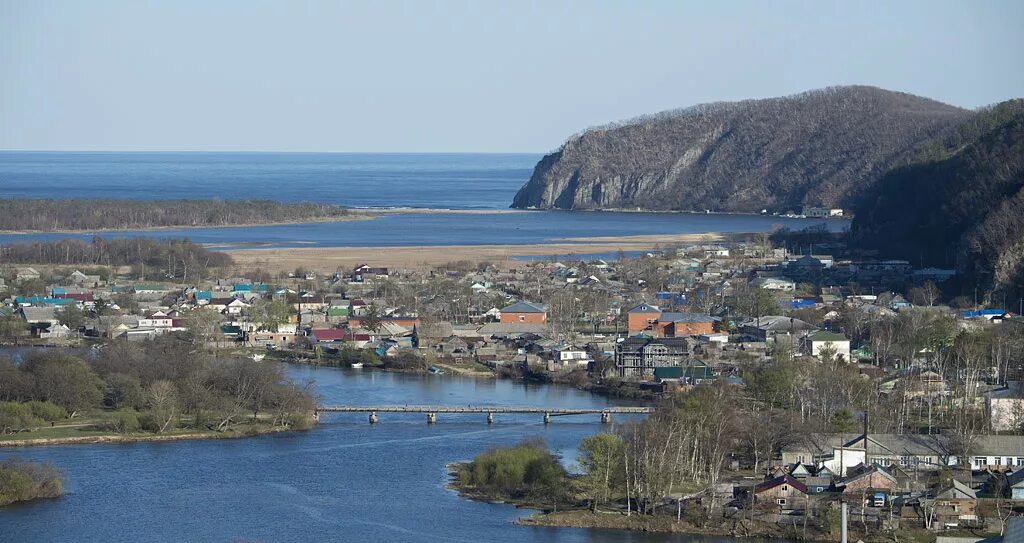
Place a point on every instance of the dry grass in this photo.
(331, 259)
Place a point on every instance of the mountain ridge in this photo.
(820, 147)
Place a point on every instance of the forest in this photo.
(165, 258)
(822, 147)
(152, 387)
(959, 204)
(52, 215)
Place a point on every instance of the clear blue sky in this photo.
(459, 76)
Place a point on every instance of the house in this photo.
(772, 327)
(365, 271)
(525, 313)
(841, 452)
(1015, 483)
(202, 297)
(991, 315)
(339, 308)
(870, 478)
(81, 279)
(329, 336)
(511, 330)
(823, 340)
(39, 316)
(774, 283)
(806, 265)
(229, 306)
(1005, 407)
(570, 357)
(637, 357)
(953, 505)
(785, 491)
(26, 274)
(650, 319)
(822, 212)
(694, 372)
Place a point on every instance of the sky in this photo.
(474, 76)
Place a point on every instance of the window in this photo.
(800, 459)
(522, 318)
(1020, 461)
(979, 461)
(781, 501)
(785, 488)
(904, 460)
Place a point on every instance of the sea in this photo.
(482, 182)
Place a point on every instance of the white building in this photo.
(1005, 407)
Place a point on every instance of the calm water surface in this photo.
(445, 180)
(449, 181)
(343, 481)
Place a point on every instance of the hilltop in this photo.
(958, 203)
(819, 148)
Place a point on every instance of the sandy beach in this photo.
(331, 259)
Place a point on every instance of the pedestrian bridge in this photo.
(433, 410)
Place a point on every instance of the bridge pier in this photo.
(373, 417)
(316, 416)
(547, 418)
(490, 418)
(606, 417)
(431, 418)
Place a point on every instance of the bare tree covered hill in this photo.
(822, 147)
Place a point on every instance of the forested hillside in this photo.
(960, 203)
(167, 258)
(109, 214)
(822, 147)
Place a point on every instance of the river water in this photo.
(343, 481)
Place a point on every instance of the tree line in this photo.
(109, 214)
(154, 386)
(164, 258)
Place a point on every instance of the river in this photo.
(343, 481)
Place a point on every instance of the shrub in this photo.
(124, 422)
(20, 481)
(47, 411)
(528, 469)
(16, 416)
(148, 423)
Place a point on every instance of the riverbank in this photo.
(90, 434)
(331, 259)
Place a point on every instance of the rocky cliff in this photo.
(822, 147)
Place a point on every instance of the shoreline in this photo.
(364, 217)
(330, 259)
(137, 438)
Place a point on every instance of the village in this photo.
(810, 347)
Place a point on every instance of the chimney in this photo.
(865, 430)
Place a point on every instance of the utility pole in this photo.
(843, 527)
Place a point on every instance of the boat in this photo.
(436, 370)
(357, 365)
(258, 356)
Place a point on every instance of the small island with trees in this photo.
(22, 481)
(93, 214)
